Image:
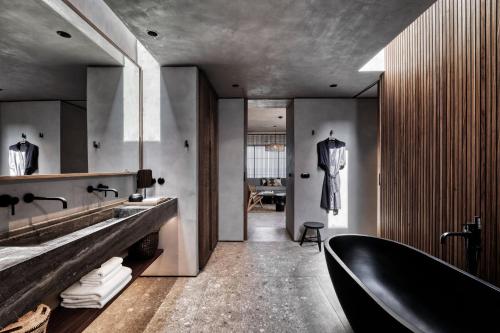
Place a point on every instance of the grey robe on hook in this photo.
(331, 158)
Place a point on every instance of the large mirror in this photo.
(69, 100)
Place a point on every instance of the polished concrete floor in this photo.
(254, 286)
(267, 225)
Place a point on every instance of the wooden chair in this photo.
(253, 198)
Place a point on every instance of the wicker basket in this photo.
(146, 247)
(32, 322)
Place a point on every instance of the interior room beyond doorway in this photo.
(266, 170)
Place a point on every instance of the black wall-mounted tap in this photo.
(30, 197)
(102, 188)
(472, 236)
(7, 200)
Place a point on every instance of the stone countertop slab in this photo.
(29, 273)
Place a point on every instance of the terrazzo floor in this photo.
(254, 286)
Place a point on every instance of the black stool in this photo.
(315, 226)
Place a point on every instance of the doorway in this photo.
(266, 170)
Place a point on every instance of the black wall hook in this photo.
(41, 135)
(96, 145)
(23, 135)
(186, 144)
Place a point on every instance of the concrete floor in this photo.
(267, 225)
(255, 286)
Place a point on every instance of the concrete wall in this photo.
(31, 118)
(74, 190)
(354, 121)
(231, 117)
(168, 158)
(113, 118)
(74, 156)
(290, 162)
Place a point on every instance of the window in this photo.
(265, 164)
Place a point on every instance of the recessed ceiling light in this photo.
(333, 85)
(152, 33)
(235, 85)
(63, 34)
(280, 117)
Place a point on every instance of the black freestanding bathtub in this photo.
(386, 286)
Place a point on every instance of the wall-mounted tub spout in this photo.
(30, 197)
(102, 188)
(472, 236)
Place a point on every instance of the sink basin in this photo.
(47, 233)
(126, 211)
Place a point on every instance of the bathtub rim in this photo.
(384, 306)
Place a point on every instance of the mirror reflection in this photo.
(65, 99)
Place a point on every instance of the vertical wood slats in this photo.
(439, 131)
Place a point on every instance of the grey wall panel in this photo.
(112, 119)
(168, 158)
(74, 190)
(231, 168)
(290, 169)
(74, 156)
(31, 118)
(355, 122)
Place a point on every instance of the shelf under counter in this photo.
(37, 271)
(63, 320)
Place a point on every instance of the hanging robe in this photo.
(331, 159)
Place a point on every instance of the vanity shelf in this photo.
(76, 320)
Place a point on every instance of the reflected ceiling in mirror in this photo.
(65, 98)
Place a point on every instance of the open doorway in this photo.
(266, 170)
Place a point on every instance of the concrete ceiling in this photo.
(272, 49)
(36, 63)
(262, 119)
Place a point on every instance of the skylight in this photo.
(376, 64)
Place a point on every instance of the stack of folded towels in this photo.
(98, 287)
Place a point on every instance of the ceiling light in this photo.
(235, 85)
(376, 64)
(278, 147)
(63, 34)
(152, 33)
(333, 85)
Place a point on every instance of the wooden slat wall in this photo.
(440, 127)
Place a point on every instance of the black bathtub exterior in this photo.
(386, 286)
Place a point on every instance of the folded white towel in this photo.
(77, 290)
(96, 304)
(109, 266)
(92, 279)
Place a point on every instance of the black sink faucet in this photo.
(102, 188)
(30, 197)
(472, 236)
